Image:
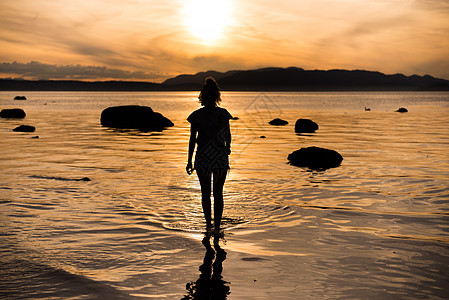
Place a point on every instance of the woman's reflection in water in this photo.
(210, 284)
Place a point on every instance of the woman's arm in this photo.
(228, 139)
(192, 142)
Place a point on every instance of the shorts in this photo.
(212, 159)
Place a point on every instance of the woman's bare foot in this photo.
(206, 243)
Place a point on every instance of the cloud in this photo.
(38, 70)
(146, 40)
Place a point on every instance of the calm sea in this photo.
(376, 227)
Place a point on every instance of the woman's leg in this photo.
(219, 180)
(205, 182)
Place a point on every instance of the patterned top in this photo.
(213, 138)
(212, 125)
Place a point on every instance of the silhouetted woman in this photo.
(210, 131)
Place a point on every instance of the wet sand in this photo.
(254, 269)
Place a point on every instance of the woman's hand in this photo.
(189, 168)
(227, 150)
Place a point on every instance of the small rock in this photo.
(315, 158)
(278, 122)
(305, 126)
(20, 98)
(263, 137)
(35, 137)
(12, 113)
(402, 110)
(24, 128)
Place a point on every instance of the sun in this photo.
(207, 20)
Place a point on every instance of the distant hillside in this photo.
(297, 79)
(73, 85)
(196, 79)
(267, 79)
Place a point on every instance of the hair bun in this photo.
(210, 81)
(210, 93)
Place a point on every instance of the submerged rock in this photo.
(12, 113)
(60, 178)
(305, 126)
(134, 117)
(20, 98)
(25, 128)
(315, 158)
(402, 110)
(278, 122)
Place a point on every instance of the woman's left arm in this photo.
(192, 142)
(228, 139)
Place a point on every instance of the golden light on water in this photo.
(207, 20)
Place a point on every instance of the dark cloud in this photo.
(38, 70)
(217, 63)
(440, 6)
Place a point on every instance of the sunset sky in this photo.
(151, 40)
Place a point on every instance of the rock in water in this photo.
(305, 126)
(24, 128)
(278, 122)
(315, 158)
(20, 98)
(402, 110)
(134, 117)
(12, 113)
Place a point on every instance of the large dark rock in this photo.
(134, 117)
(315, 158)
(25, 128)
(20, 98)
(305, 126)
(278, 122)
(12, 113)
(402, 110)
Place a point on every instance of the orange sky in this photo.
(155, 39)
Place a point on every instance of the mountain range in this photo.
(266, 79)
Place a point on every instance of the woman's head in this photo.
(210, 93)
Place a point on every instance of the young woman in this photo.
(210, 131)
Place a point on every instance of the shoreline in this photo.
(257, 267)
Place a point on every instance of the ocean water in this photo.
(377, 227)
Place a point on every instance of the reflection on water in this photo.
(210, 284)
(130, 226)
